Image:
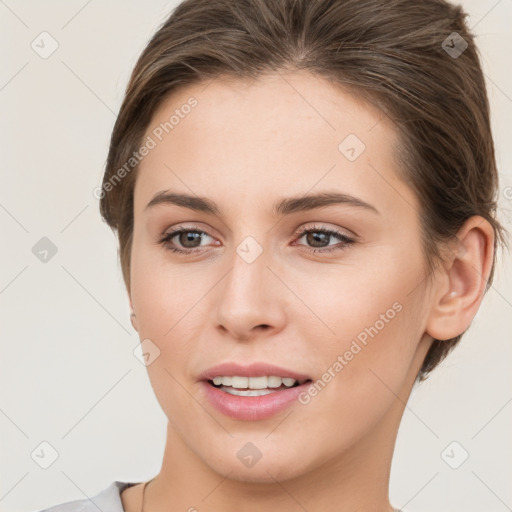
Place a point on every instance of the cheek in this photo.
(157, 289)
(166, 316)
(361, 375)
(374, 312)
(165, 298)
(370, 299)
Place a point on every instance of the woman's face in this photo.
(249, 287)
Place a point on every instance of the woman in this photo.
(304, 193)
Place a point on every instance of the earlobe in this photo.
(133, 316)
(133, 319)
(462, 282)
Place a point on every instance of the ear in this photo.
(461, 285)
(133, 317)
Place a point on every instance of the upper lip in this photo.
(257, 369)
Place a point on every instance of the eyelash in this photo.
(165, 240)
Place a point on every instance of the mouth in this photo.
(253, 398)
(254, 392)
(254, 386)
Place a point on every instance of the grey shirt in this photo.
(108, 500)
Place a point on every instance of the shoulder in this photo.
(108, 500)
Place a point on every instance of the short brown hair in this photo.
(415, 60)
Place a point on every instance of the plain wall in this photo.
(68, 373)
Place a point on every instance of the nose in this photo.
(250, 300)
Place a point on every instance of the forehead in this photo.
(282, 133)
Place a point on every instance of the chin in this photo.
(243, 462)
(263, 473)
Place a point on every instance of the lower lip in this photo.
(252, 408)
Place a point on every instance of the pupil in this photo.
(316, 237)
(189, 237)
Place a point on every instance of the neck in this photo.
(356, 480)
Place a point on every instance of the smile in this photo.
(253, 386)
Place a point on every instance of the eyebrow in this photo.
(286, 206)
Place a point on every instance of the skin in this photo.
(247, 145)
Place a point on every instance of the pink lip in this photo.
(251, 408)
(252, 370)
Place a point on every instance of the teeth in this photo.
(246, 392)
(255, 383)
(274, 382)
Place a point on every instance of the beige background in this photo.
(67, 369)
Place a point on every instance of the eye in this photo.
(316, 235)
(190, 239)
